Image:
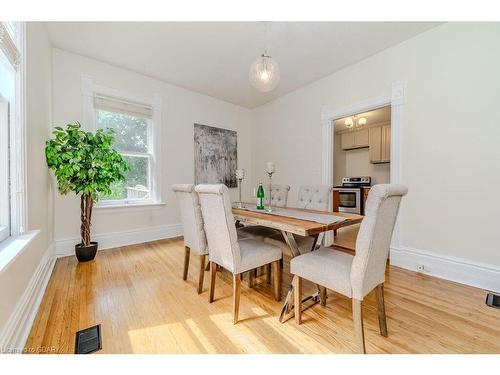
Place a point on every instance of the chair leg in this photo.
(251, 276)
(322, 295)
(268, 273)
(187, 251)
(382, 323)
(236, 297)
(297, 298)
(213, 273)
(277, 280)
(202, 273)
(359, 335)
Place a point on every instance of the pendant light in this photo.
(264, 73)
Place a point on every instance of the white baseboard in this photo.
(66, 247)
(16, 331)
(462, 271)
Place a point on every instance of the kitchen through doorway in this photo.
(361, 159)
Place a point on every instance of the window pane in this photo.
(136, 184)
(131, 133)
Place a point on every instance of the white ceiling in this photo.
(377, 116)
(213, 58)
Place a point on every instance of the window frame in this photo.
(89, 91)
(5, 215)
(17, 190)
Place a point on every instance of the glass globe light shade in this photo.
(348, 122)
(362, 121)
(264, 74)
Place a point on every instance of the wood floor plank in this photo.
(138, 296)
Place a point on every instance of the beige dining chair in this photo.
(355, 276)
(226, 250)
(279, 198)
(279, 195)
(310, 197)
(314, 197)
(192, 225)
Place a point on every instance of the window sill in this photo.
(122, 206)
(13, 246)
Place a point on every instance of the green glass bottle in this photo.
(260, 197)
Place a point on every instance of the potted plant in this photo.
(85, 163)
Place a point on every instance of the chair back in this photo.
(374, 238)
(279, 195)
(219, 225)
(314, 197)
(192, 221)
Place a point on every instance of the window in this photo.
(12, 207)
(135, 123)
(132, 124)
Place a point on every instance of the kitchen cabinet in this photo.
(379, 139)
(355, 139)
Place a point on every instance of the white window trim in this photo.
(18, 161)
(17, 141)
(5, 217)
(89, 90)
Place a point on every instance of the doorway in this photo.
(395, 100)
(361, 158)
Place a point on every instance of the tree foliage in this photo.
(85, 163)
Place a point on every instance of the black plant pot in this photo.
(86, 253)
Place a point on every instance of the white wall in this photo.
(180, 110)
(14, 279)
(450, 139)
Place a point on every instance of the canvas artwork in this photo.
(215, 156)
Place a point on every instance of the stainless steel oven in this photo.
(351, 194)
(349, 199)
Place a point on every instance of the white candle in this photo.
(240, 174)
(270, 167)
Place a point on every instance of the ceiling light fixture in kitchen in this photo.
(354, 122)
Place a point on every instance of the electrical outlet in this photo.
(420, 268)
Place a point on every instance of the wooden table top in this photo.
(293, 225)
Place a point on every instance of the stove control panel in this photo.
(357, 180)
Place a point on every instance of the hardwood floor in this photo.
(138, 296)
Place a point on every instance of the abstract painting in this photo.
(215, 156)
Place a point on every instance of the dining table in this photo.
(292, 222)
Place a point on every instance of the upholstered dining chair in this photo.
(279, 198)
(279, 195)
(314, 197)
(226, 250)
(192, 225)
(311, 197)
(355, 276)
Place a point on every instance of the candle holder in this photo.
(240, 175)
(269, 207)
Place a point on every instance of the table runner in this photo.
(301, 215)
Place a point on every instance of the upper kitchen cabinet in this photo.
(356, 139)
(379, 139)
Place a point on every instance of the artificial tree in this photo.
(85, 163)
